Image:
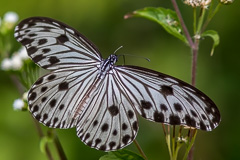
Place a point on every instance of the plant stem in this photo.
(60, 150)
(194, 20)
(167, 137)
(194, 47)
(40, 133)
(190, 146)
(210, 16)
(200, 22)
(140, 149)
(173, 144)
(185, 30)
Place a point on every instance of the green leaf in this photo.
(165, 17)
(121, 155)
(214, 35)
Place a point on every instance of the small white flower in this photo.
(23, 53)
(181, 139)
(10, 17)
(18, 104)
(6, 64)
(16, 62)
(198, 3)
(25, 95)
(226, 1)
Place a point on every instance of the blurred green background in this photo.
(102, 22)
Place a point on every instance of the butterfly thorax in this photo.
(107, 65)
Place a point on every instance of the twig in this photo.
(140, 149)
(185, 30)
(40, 133)
(60, 150)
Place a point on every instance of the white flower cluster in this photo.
(20, 104)
(226, 1)
(9, 20)
(16, 61)
(198, 3)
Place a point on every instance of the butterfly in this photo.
(99, 98)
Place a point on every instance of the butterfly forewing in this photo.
(98, 98)
(53, 45)
(162, 98)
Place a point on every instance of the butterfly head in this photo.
(107, 65)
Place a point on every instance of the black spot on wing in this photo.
(53, 60)
(46, 50)
(45, 116)
(42, 41)
(97, 141)
(63, 86)
(38, 58)
(166, 90)
(163, 107)
(95, 123)
(190, 121)
(146, 104)
(87, 136)
(35, 108)
(130, 114)
(194, 113)
(38, 117)
(44, 99)
(89, 143)
(51, 77)
(53, 103)
(104, 127)
(113, 110)
(32, 96)
(178, 107)
(55, 120)
(31, 50)
(158, 116)
(135, 126)
(62, 39)
(43, 89)
(115, 132)
(61, 106)
(39, 81)
(126, 139)
(112, 144)
(26, 41)
(124, 126)
(32, 35)
(103, 147)
(202, 126)
(174, 120)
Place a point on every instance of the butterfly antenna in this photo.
(136, 56)
(117, 49)
(129, 55)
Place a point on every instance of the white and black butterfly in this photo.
(99, 98)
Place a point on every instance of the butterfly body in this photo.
(107, 65)
(99, 98)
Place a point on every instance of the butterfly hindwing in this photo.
(110, 122)
(162, 98)
(54, 98)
